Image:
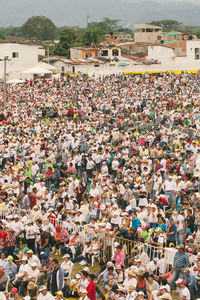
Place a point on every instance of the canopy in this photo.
(46, 66)
(15, 81)
(38, 70)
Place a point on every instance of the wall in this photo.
(27, 58)
(107, 69)
(162, 54)
(147, 37)
(75, 53)
(190, 49)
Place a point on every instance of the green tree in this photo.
(40, 28)
(168, 24)
(67, 40)
(109, 25)
(198, 34)
(92, 36)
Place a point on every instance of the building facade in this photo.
(145, 33)
(20, 58)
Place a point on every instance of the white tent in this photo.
(38, 71)
(46, 66)
(15, 81)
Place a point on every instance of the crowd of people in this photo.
(100, 171)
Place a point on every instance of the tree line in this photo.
(41, 28)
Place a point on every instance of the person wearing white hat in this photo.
(165, 296)
(18, 229)
(44, 294)
(32, 275)
(30, 232)
(115, 215)
(67, 265)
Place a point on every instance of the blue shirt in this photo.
(136, 223)
(181, 261)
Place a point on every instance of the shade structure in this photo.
(38, 70)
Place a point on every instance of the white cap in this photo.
(66, 255)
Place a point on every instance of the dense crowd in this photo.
(100, 171)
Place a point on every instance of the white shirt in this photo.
(17, 226)
(180, 220)
(184, 292)
(170, 185)
(67, 266)
(34, 259)
(48, 296)
(30, 232)
(129, 282)
(117, 219)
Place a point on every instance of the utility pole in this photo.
(5, 59)
(88, 18)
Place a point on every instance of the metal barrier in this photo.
(132, 249)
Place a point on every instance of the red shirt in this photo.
(3, 236)
(91, 290)
(33, 200)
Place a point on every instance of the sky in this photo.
(74, 12)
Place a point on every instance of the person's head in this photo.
(84, 274)
(55, 263)
(91, 277)
(186, 271)
(138, 262)
(118, 248)
(181, 248)
(66, 257)
(34, 266)
(3, 256)
(24, 260)
(181, 283)
(130, 230)
(110, 270)
(151, 278)
(43, 290)
(59, 295)
(131, 274)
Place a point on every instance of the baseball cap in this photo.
(9, 257)
(42, 288)
(60, 293)
(190, 237)
(66, 255)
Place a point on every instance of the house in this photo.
(172, 37)
(82, 53)
(87, 53)
(20, 58)
(169, 56)
(146, 33)
(117, 38)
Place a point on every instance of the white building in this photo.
(167, 56)
(21, 57)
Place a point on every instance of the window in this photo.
(104, 53)
(88, 54)
(115, 52)
(62, 69)
(197, 53)
(15, 54)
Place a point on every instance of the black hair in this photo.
(85, 273)
(55, 260)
